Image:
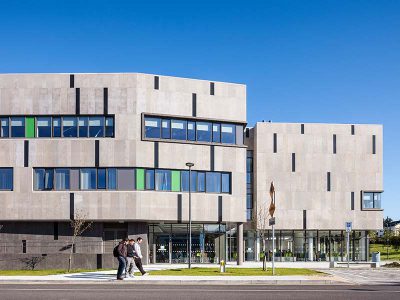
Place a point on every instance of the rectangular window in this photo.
(17, 127)
(83, 126)
(109, 127)
(96, 127)
(6, 179)
(88, 179)
(175, 181)
(374, 144)
(5, 127)
(371, 200)
(275, 143)
(178, 129)
(191, 132)
(203, 131)
(328, 181)
(126, 179)
(302, 128)
(165, 129)
(226, 183)
(149, 179)
(334, 144)
(156, 82)
(352, 200)
(152, 127)
(140, 179)
(249, 201)
(201, 182)
(29, 127)
(62, 179)
(101, 179)
(185, 181)
(43, 127)
(213, 182)
(353, 129)
(43, 179)
(70, 128)
(111, 179)
(216, 133)
(228, 134)
(293, 162)
(212, 88)
(163, 180)
(57, 127)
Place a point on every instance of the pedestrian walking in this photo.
(120, 252)
(138, 257)
(130, 259)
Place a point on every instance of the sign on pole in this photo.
(271, 221)
(348, 226)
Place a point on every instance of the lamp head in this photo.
(189, 164)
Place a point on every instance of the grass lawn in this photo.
(393, 254)
(42, 272)
(236, 272)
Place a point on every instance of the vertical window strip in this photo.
(374, 144)
(293, 162)
(302, 128)
(334, 144)
(352, 200)
(194, 105)
(156, 82)
(328, 179)
(212, 88)
(275, 143)
(352, 129)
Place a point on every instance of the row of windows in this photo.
(190, 130)
(6, 179)
(57, 126)
(127, 179)
(249, 183)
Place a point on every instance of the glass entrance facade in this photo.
(169, 243)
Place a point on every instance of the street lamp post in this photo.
(190, 165)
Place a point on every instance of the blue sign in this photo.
(348, 226)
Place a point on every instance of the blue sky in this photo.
(302, 61)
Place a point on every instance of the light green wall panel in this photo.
(29, 127)
(140, 179)
(176, 181)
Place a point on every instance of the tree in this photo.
(262, 223)
(386, 222)
(32, 262)
(79, 225)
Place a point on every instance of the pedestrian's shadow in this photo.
(90, 275)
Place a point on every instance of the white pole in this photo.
(348, 249)
(273, 249)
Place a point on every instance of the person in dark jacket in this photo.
(122, 253)
(131, 254)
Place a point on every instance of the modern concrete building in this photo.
(113, 148)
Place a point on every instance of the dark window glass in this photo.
(88, 179)
(163, 180)
(17, 127)
(109, 127)
(152, 127)
(96, 127)
(5, 127)
(6, 179)
(43, 127)
(203, 131)
(83, 126)
(178, 129)
(226, 183)
(249, 201)
(185, 181)
(166, 129)
(70, 128)
(213, 182)
(191, 132)
(101, 178)
(149, 179)
(62, 179)
(43, 179)
(56, 127)
(216, 133)
(228, 134)
(112, 179)
(201, 182)
(249, 164)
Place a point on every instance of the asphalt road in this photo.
(242, 292)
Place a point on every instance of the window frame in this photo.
(373, 192)
(12, 179)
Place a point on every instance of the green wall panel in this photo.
(176, 181)
(140, 179)
(29, 127)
